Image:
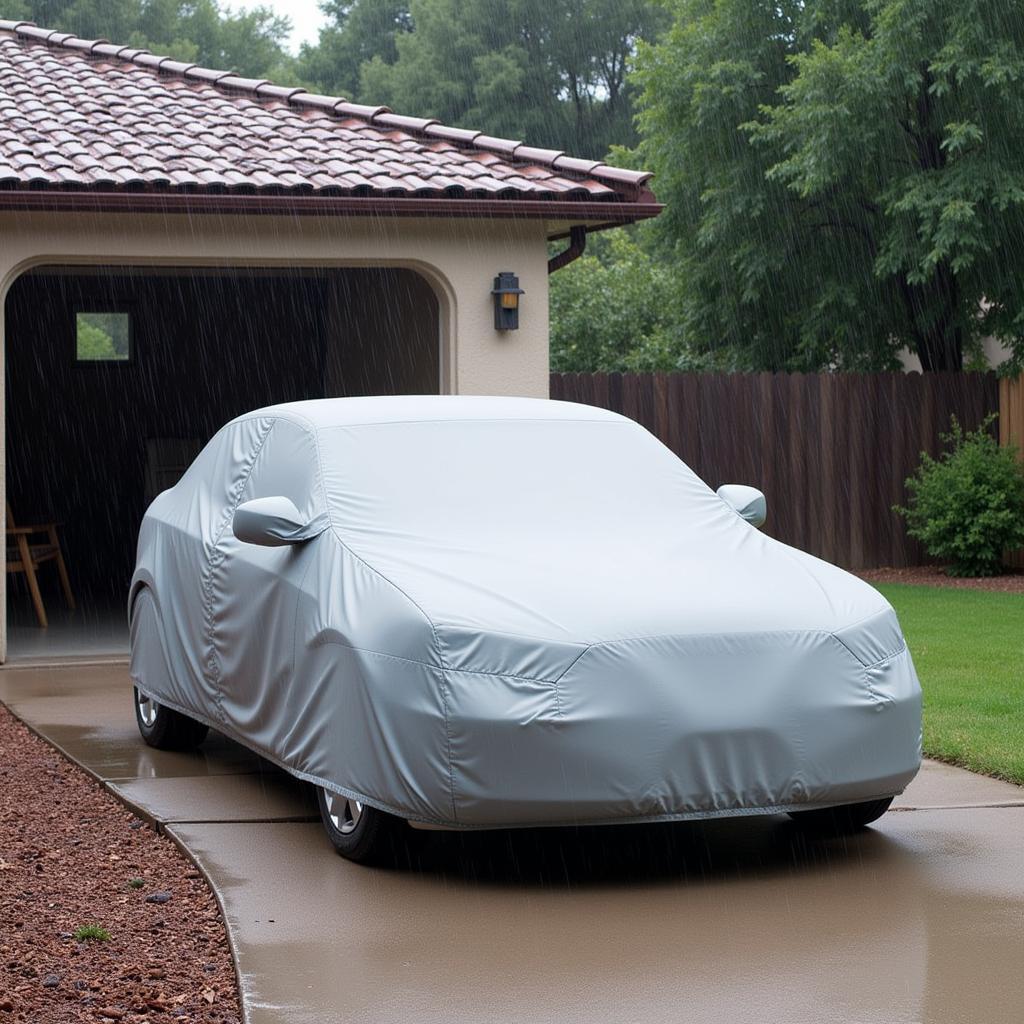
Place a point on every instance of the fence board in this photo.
(830, 451)
(1011, 430)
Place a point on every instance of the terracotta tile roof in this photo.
(80, 114)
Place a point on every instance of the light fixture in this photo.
(506, 292)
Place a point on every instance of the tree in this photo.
(250, 42)
(356, 34)
(553, 72)
(842, 177)
(88, 19)
(92, 342)
(616, 309)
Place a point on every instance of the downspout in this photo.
(577, 243)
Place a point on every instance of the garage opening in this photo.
(115, 379)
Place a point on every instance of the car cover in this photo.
(511, 612)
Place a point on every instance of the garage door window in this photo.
(103, 336)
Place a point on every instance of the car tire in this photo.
(359, 832)
(841, 820)
(165, 728)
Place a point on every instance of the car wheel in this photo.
(359, 832)
(841, 820)
(165, 728)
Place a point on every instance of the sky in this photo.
(305, 16)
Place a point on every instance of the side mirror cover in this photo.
(274, 522)
(748, 502)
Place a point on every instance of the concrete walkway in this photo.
(920, 919)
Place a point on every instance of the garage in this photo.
(182, 245)
(117, 376)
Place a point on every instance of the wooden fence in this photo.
(830, 451)
(1011, 429)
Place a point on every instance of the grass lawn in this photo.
(968, 646)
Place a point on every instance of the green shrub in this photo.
(967, 506)
(616, 309)
(92, 932)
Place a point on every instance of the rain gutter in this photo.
(609, 212)
(577, 243)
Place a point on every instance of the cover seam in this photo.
(390, 582)
(215, 560)
(615, 419)
(437, 647)
(553, 682)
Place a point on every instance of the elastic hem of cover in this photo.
(456, 826)
(224, 729)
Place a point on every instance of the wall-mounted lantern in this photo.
(506, 292)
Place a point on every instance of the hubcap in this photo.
(147, 709)
(343, 812)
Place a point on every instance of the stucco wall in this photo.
(460, 257)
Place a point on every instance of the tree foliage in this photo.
(842, 176)
(553, 72)
(356, 34)
(250, 42)
(616, 309)
(92, 342)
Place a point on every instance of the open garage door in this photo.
(116, 377)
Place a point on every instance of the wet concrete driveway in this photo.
(920, 919)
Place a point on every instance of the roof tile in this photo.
(77, 44)
(280, 92)
(575, 164)
(146, 59)
(102, 49)
(312, 99)
(542, 156)
(443, 131)
(360, 110)
(621, 174)
(29, 31)
(244, 84)
(78, 113)
(176, 67)
(402, 121)
(506, 147)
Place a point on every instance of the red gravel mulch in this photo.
(934, 576)
(68, 855)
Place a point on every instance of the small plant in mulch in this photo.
(92, 933)
(135, 883)
(967, 506)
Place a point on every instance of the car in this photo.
(477, 613)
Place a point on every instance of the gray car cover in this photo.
(510, 612)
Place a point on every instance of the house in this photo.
(181, 244)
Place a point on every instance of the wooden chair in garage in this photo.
(25, 557)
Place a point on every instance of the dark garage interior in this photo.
(116, 377)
